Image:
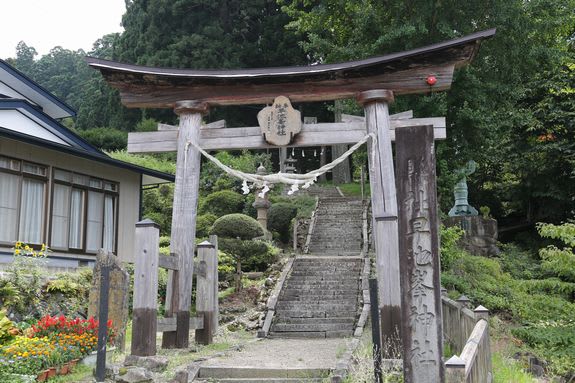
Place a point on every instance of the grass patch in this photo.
(506, 370)
(82, 373)
(354, 190)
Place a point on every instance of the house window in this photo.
(84, 213)
(22, 201)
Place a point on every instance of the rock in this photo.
(254, 316)
(254, 275)
(153, 363)
(261, 306)
(135, 375)
(269, 282)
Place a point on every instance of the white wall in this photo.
(17, 121)
(129, 181)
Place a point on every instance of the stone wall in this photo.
(480, 234)
(302, 227)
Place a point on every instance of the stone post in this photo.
(145, 303)
(184, 211)
(422, 324)
(384, 208)
(262, 204)
(206, 296)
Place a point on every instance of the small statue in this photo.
(462, 206)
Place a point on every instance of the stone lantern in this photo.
(262, 204)
(290, 165)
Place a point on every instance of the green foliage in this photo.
(541, 309)
(108, 139)
(204, 224)
(147, 125)
(280, 216)
(222, 202)
(237, 226)
(303, 203)
(155, 162)
(5, 326)
(554, 340)
(254, 255)
(226, 266)
(558, 262)
(518, 88)
(449, 251)
(506, 370)
(157, 205)
(519, 263)
(485, 212)
(214, 179)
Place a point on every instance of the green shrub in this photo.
(521, 264)
(108, 139)
(165, 240)
(279, 219)
(449, 251)
(237, 226)
(303, 203)
(204, 224)
(558, 262)
(222, 203)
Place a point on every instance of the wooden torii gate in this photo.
(373, 83)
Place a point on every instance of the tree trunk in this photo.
(238, 276)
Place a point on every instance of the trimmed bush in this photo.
(108, 139)
(237, 226)
(222, 203)
(204, 224)
(279, 219)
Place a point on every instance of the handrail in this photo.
(273, 300)
(311, 225)
(468, 332)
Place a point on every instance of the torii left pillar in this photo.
(384, 211)
(179, 294)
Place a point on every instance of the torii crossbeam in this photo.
(373, 82)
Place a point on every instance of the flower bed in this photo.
(53, 343)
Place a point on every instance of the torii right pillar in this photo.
(384, 211)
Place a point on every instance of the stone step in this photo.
(288, 320)
(299, 313)
(262, 380)
(319, 294)
(321, 284)
(311, 334)
(320, 306)
(300, 327)
(237, 372)
(323, 300)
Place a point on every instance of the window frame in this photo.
(86, 189)
(21, 175)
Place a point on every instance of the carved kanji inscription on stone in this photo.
(419, 256)
(279, 122)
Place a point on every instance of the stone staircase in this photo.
(319, 299)
(338, 227)
(261, 375)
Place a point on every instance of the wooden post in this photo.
(483, 313)
(375, 331)
(103, 318)
(184, 221)
(419, 256)
(145, 303)
(455, 370)
(384, 208)
(206, 291)
(216, 317)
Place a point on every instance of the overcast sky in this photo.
(44, 24)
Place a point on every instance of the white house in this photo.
(57, 189)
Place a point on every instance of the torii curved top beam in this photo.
(403, 73)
